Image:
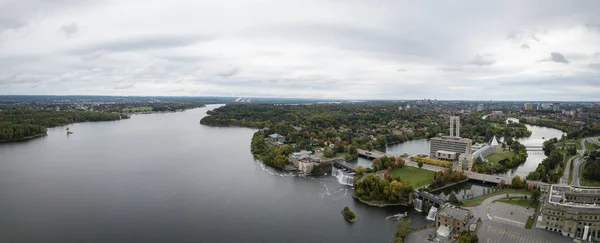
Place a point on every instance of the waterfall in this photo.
(432, 213)
(343, 178)
(418, 204)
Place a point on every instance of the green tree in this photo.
(377, 164)
(329, 153)
(420, 164)
(452, 198)
(535, 195)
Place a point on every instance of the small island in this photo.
(349, 215)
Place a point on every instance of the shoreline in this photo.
(379, 204)
(23, 139)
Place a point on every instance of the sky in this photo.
(333, 49)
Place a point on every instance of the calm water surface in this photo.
(166, 178)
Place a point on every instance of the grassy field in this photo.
(495, 157)
(529, 223)
(519, 201)
(585, 182)
(478, 200)
(590, 146)
(571, 171)
(570, 142)
(416, 176)
(138, 109)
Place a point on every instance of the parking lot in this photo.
(509, 214)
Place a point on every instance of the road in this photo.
(577, 160)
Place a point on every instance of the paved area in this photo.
(494, 232)
(420, 236)
(509, 214)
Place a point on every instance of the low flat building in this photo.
(276, 138)
(572, 211)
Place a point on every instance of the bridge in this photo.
(426, 196)
(341, 164)
(534, 147)
(371, 154)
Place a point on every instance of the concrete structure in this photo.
(300, 155)
(480, 107)
(556, 107)
(496, 115)
(450, 220)
(528, 106)
(446, 155)
(449, 144)
(572, 212)
(454, 124)
(276, 138)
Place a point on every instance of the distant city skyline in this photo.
(351, 50)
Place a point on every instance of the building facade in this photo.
(573, 212)
(450, 220)
(449, 144)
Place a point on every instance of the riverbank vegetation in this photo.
(403, 228)
(18, 124)
(29, 117)
(378, 188)
(441, 178)
(349, 215)
(515, 155)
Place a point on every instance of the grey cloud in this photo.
(124, 86)
(449, 69)
(143, 43)
(70, 29)
(595, 66)
(401, 70)
(515, 35)
(597, 54)
(593, 27)
(556, 57)
(483, 60)
(18, 13)
(229, 73)
(524, 46)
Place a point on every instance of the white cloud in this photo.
(325, 49)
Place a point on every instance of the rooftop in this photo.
(448, 138)
(454, 212)
(275, 135)
(557, 196)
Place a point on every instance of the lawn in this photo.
(495, 157)
(519, 201)
(586, 182)
(571, 171)
(416, 176)
(590, 146)
(472, 202)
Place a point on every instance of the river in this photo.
(166, 178)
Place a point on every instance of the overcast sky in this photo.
(462, 50)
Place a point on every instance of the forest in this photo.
(21, 124)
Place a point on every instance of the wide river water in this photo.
(166, 178)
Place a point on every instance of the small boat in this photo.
(69, 132)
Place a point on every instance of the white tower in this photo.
(454, 121)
